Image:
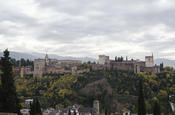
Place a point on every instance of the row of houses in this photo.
(70, 110)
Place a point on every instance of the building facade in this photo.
(149, 61)
(54, 66)
(136, 66)
(103, 59)
(76, 109)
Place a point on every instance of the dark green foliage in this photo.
(119, 59)
(156, 109)
(0, 91)
(75, 112)
(141, 100)
(9, 98)
(1, 98)
(35, 108)
(63, 90)
(106, 112)
(69, 112)
(161, 67)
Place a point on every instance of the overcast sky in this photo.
(133, 28)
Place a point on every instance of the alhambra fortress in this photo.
(54, 66)
(127, 65)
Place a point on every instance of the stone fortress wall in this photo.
(54, 66)
(127, 65)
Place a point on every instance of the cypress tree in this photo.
(156, 109)
(69, 112)
(1, 98)
(35, 108)
(75, 112)
(106, 112)
(10, 102)
(32, 109)
(0, 91)
(141, 100)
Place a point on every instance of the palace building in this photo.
(54, 66)
(127, 65)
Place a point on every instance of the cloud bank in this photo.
(89, 27)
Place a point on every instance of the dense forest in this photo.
(116, 90)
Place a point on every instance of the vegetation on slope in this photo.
(116, 90)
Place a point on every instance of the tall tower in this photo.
(149, 61)
(22, 72)
(96, 106)
(19, 64)
(103, 59)
(47, 60)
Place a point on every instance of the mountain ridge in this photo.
(32, 56)
(166, 62)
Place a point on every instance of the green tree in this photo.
(0, 91)
(10, 102)
(141, 100)
(156, 109)
(106, 112)
(161, 67)
(1, 98)
(69, 112)
(35, 108)
(168, 68)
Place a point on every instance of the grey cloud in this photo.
(118, 20)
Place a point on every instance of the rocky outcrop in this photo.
(96, 88)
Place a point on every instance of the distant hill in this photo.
(32, 56)
(166, 62)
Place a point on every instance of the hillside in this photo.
(96, 88)
(116, 90)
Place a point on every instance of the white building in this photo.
(149, 61)
(28, 102)
(25, 111)
(103, 59)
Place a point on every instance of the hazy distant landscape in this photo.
(33, 56)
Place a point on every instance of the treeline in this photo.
(9, 102)
(22, 62)
(9, 99)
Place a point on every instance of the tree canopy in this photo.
(9, 100)
(35, 108)
(117, 88)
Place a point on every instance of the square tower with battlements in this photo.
(149, 61)
(103, 59)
